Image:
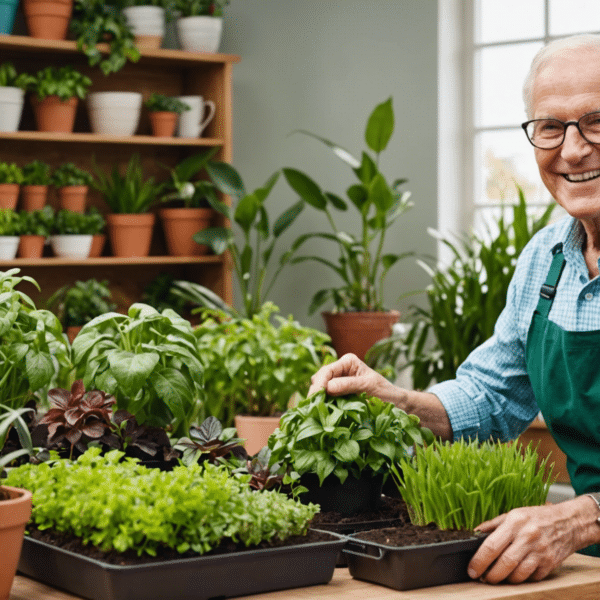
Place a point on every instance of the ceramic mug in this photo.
(192, 122)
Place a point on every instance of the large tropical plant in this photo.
(464, 299)
(363, 263)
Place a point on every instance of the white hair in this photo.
(582, 41)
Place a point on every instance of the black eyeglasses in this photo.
(550, 133)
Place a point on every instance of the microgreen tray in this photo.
(225, 575)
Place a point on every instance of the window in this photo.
(487, 46)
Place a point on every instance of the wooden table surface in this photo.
(578, 578)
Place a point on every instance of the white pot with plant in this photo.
(12, 93)
(10, 227)
(200, 25)
(146, 19)
(73, 234)
(114, 113)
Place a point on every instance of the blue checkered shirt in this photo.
(492, 395)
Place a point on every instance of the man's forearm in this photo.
(428, 408)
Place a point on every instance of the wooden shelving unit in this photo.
(169, 72)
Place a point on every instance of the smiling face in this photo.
(567, 88)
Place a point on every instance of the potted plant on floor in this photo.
(200, 24)
(343, 448)
(10, 229)
(72, 184)
(202, 510)
(94, 23)
(449, 490)
(359, 318)
(35, 228)
(12, 93)
(36, 179)
(79, 303)
(189, 205)
(164, 112)
(129, 197)
(253, 368)
(72, 234)
(56, 92)
(48, 19)
(11, 177)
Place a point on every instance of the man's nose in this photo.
(575, 146)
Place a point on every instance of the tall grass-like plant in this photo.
(460, 485)
(464, 300)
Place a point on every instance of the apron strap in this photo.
(548, 289)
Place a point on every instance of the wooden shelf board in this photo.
(110, 260)
(27, 43)
(94, 138)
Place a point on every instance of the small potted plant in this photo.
(36, 179)
(93, 23)
(359, 318)
(164, 112)
(200, 25)
(12, 92)
(36, 226)
(72, 234)
(11, 177)
(56, 92)
(10, 228)
(48, 19)
(77, 304)
(72, 184)
(129, 197)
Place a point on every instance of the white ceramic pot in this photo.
(72, 245)
(145, 20)
(114, 113)
(200, 34)
(11, 107)
(8, 246)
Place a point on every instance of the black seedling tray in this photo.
(410, 567)
(198, 578)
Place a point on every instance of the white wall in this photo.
(323, 65)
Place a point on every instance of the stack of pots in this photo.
(147, 24)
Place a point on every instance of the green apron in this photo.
(564, 370)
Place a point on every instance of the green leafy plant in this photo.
(344, 436)
(79, 303)
(10, 222)
(37, 173)
(460, 485)
(64, 82)
(160, 102)
(464, 299)
(148, 361)
(251, 256)
(37, 222)
(69, 222)
(10, 173)
(10, 78)
(254, 367)
(362, 264)
(13, 418)
(67, 174)
(93, 23)
(159, 294)
(33, 351)
(120, 505)
(129, 193)
(193, 8)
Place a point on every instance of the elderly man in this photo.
(545, 351)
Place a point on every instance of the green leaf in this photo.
(380, 126)
(131, 371)
(226, 178)
(306, 188)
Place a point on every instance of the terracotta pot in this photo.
(130, 235)
(148, 42)
(33, 197)
(9, 194)
(54, 115)
(163, 123)
(97, 248)
(356, 332)
(48, 19)
(14, 514)
(255, 430)
(73, 197)
(180, 224)
(31, 246)
(72, 331)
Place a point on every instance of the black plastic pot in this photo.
(410, 567)
(348, 498)
(201, 578)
